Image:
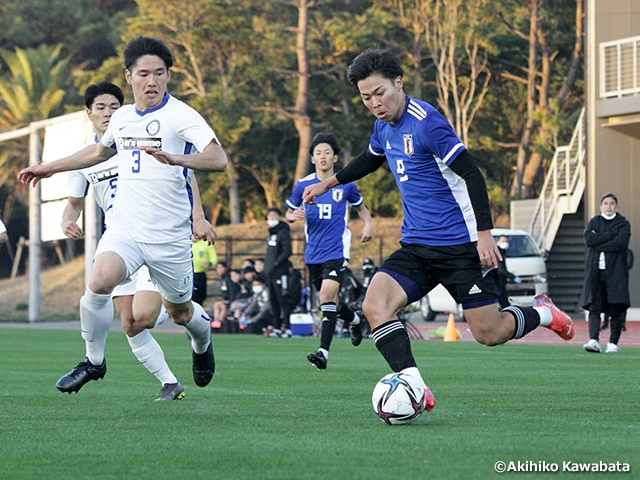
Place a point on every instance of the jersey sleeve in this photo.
(439, 138)
(192, 128)
(77, 185)
(353, 196)
(375, 146)
(294, 202)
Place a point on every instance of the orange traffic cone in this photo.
(451, 334)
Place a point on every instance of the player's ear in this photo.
(127, 76)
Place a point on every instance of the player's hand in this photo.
(488, 250)
(313, 191)
(72, 230)
(367, 233)
(34, 174)
(298, 214)
(161, 156)
(203, 230)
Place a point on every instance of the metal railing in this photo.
(562, 189)
(620, 67)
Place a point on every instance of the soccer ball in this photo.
(398, 399)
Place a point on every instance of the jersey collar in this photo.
(156, 108)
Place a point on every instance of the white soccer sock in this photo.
(148, 351)
(415, 373)
(545, 315)
(324, 352)
(199, 329)
(96, 317)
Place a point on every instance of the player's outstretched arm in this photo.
(70, 216)
(367, 230)
(212, 158)
(88, 156)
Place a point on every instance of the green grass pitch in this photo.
(269, 414)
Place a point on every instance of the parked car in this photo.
(523, 259)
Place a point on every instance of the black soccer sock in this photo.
(527, 319)
(345, 313)
(393, 342)
(329, 317)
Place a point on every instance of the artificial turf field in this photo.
(268, 413)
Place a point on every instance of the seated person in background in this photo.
(243, 295)
(259, 265)
(257, 315)
(228, 289)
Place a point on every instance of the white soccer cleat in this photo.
(612, 348)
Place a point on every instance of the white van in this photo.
(523, 260)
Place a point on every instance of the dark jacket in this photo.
(276, 259)
(611, 237)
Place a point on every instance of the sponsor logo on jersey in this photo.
(153, 128)
(388, 145)
(136, 143)
(337, 194)
(101, 176)
(408, 144)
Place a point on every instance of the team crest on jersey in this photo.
(337, 194)
(153, 127)
(408, 144)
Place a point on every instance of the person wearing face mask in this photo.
(258, 314)
(276, 268)
(606, 280)
(504, 275)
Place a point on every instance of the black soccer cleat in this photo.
(318, 359)
(170, 391)
(84, 372)
(355, 331)
(204, 366)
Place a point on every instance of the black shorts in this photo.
(331, 269)
(418, 269)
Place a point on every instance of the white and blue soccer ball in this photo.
(398, 399)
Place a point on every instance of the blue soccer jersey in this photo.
(326, 230)
(419, 147)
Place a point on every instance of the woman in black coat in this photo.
(606, 282)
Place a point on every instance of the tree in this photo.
(549, 76)
(34, 90)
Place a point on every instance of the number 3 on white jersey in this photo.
(400, 168)
(324, 211)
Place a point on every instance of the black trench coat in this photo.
(611, 237)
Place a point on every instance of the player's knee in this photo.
(490, 338)
(101, 283)
(146, 321)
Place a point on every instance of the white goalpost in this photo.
(63, 135)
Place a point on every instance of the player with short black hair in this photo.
(329, 240)
(446, 234)
(159, 140)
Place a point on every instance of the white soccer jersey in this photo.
(154, 200)
(102, 177)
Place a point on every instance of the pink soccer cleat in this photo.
(429, 400)
(561, 323)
